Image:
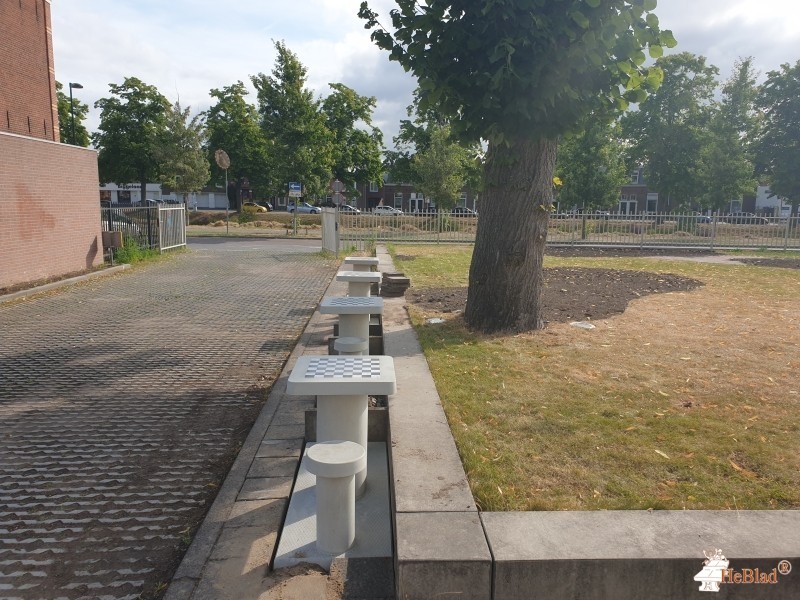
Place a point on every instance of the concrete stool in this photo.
(335, 464)
(354, 312)
(362, 263)
(342, 385)
(351, 346)
(358, 282)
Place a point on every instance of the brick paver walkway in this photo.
(123, 402)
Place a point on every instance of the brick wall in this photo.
(28, 102)
(49, 209)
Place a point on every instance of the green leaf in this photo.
(655, 51)
(593, 3)
(652, 20)
(667, 39)
(649, 5)
(580, 19)
(655, 77)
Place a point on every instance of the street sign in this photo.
(295, 189)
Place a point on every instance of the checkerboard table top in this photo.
(362, 260)
(351, 305)
(342, 376)
(358, 276)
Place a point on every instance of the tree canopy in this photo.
(232, 126)
(133, 122)
(591, 167)
(294, 126)
(356, 144)
(779, 143)
(442, 169)
(184, 165)
(669, 129)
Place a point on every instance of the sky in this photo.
(188, 47)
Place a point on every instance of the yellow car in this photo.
(255, 208)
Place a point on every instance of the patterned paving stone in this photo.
(122, 404)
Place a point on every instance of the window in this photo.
(635, 176)
(398, 200)
(652, 202)
(462, 199)
(373, 187)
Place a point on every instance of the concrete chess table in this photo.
(358, 282)
(362, 263)
(342, 385)
(354, 312)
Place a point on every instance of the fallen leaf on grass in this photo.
(631, 428)
(660, 453)
(742, 470)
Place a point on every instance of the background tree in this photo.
(232, 125)
(442, 169)
(519, 74)
(181, 154)
(669, 129)
(65, 119)
(356, 144)
(300, 141)
(591, 167)
(414, 140)
(133, 123)
(779, 141)
(726, 169)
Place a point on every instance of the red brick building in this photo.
(28, 85)
(49, 197)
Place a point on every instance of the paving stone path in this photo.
(122, 404)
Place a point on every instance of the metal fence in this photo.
(644, 230)
(159, 227)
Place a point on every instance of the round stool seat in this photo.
(336, 459)
(350, 344)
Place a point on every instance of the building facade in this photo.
(28, 101)
(50, 223)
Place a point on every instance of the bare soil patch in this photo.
(784, 263)
(572, 293)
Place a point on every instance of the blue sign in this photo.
(295, 189)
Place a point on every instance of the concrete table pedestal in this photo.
(362, 263)
(353, 314)
(342, 385)
(358, 282)
(335, 464)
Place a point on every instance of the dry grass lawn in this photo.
(686, 401)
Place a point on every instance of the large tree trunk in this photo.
(505, 278)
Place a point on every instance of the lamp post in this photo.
(77, 86)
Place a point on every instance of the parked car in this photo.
(701, 218)
(254, 207)
(387, 210)
(348, 210)
(745, 218)
(463, 211)
(303, 208)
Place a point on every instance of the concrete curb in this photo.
(63, 283)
